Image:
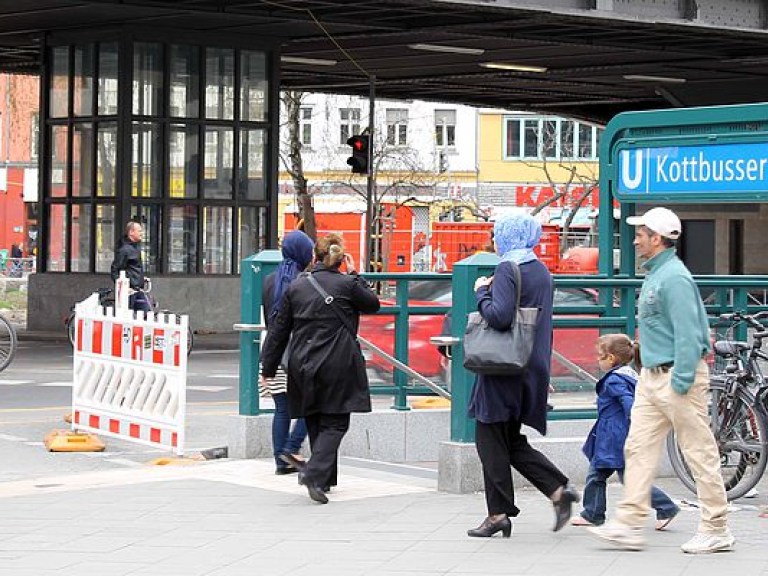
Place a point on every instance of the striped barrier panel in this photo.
(130, 372)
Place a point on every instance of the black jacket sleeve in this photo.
(277, 338)
(119, 263)
(363, 298)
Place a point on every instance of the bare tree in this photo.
(581, 181)
(293, 163)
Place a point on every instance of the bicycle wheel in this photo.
(71, 329)
(8, 343)
(740, 428)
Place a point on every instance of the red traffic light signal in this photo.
(360, 158)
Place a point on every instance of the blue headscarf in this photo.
(516, 235)
(297, 254)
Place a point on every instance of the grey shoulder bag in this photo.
(501, 352)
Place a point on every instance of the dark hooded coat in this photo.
(521, 397)
(326, 369)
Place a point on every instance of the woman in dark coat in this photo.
(502, 404)
(297, 250)
(326, 371)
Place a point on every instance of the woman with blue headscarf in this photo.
(297, 250)
(502, 404)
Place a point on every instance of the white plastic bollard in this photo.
(122, 288)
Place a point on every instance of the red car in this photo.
(575, 345)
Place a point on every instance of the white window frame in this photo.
(397, 129)
(442, 129)
(560, 123)
(349, 124)
(305, 125)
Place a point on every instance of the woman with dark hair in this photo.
(502, 404)
(327, 381)
(297, 254)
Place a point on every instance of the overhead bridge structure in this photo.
(588, 59)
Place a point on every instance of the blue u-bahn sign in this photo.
(736, 171)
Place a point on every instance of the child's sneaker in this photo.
(620, 535)
(704, 543)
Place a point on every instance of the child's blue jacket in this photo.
(615, 395)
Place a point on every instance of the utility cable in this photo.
(324, 30)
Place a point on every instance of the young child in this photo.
(605, 444)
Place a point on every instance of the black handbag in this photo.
(501, 352)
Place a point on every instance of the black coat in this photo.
(128, 258)
(326, 369)
(520, 398)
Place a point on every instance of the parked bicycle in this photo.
(738, 409)
(107, 300)
(8, 342)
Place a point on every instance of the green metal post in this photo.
(465, 273)
(252, 272)
(740, 304)
(401, 344)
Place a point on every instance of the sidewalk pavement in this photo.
(237, 518)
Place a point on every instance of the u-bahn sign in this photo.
(738, 170)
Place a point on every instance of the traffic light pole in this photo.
(368, 262)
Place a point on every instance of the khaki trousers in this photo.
(657, 409)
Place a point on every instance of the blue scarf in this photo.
(297, 254)
(516, 235)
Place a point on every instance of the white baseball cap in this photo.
(661, 220)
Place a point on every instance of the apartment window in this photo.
(586, 138)
(350, 123)
(305, 126)
(549, 138)
(397, 126)
(445, 128)
(34, 138)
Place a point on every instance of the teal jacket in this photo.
(673, 323)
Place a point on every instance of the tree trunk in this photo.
(292, 102)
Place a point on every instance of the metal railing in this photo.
(613, 310)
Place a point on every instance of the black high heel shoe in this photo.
(489, 527)
(568, 496)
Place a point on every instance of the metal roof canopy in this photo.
(601, 57)
(693, 156)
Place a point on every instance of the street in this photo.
(35, 395)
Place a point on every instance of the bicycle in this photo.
(107, 300)
(738, 409)
(8, 342)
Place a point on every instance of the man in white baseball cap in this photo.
(670, 394)
(661, 220)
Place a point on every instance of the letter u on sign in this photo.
(631, 182)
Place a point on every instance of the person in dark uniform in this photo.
(502, 404)
(128, 259)
(327, 381)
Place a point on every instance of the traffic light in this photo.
(443, 163)
(360, 153)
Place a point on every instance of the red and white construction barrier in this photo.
(130, 374)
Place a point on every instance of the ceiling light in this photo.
(644, 78)
(448, 49)
(748, 60)
(514, 67)
(309, 61)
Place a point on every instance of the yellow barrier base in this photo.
(431, 403)
(68, 441)
(174, 461)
